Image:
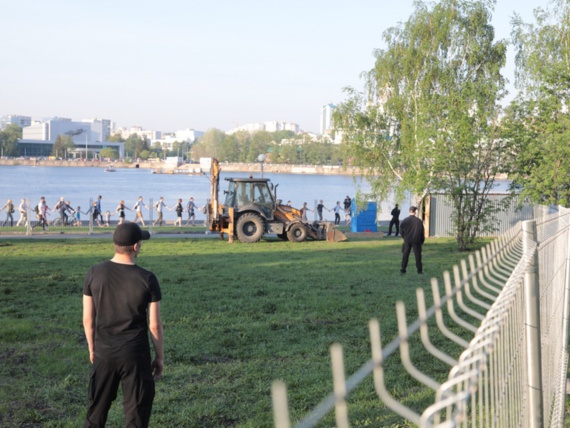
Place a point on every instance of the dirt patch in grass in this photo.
(364, 235)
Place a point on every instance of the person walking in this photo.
(121, 305)
(160, 205)
(320, 208)
(347, 204)
(179, 210)
(95, 214)
(121, 210)
(337, 209)
(395, 221)
(23, 210)
(304, 210)
(413, 232)
(9, 207)
(77, 217)
(138, 208)
(99, 209)
(43, 212)
(61, 208)
(191, 210)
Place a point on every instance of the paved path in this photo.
(108, 236)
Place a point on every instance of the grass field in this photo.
(236, 317)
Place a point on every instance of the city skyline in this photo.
(177, 65)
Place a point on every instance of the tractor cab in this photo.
(250, 194)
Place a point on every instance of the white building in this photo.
(138, 130)
(89, 136)
(21, 121)
(271, 126)
(326, 118)
(183, 136)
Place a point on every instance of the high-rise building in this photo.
(326, 118)
(21, 121)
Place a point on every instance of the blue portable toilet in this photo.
(365, 219)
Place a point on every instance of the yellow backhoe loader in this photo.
(251, 210)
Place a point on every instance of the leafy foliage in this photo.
(429, 120)
(62, 144)
(282, 146)
(537, 125)
(9, 137)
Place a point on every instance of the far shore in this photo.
(191, 168)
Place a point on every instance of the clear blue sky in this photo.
(169, 65)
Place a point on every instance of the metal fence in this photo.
(513, 371)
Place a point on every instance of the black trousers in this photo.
(135, 377)
(397, 224)
(406, 249)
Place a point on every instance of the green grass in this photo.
(236, 317)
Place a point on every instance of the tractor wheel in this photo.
(249, 228)
(297, 233)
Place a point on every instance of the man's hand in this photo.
(157, 367)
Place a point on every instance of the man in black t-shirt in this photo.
(121, 304)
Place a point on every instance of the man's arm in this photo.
(89, 324)
(155, 327)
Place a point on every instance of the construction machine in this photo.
(251, 210)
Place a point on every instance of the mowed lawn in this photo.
(236, 317)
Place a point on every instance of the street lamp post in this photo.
(261, 158)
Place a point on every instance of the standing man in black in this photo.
(121, 305)
(395, 221)
(413, 232)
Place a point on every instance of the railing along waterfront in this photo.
(513, 371)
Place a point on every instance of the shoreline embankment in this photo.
(191, 167)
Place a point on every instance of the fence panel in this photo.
(513, 371)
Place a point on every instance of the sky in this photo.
(175, 64)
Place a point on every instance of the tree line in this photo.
(430, 118)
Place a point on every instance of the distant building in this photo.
(271, 126)
(183, 136)
(89, 136)
(21, 121)
(326, 118)
(138, 130)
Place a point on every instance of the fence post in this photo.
(566, 316)
(532, 327)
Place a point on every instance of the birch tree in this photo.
(537, 124)
(428, 119)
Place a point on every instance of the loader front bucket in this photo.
(335, 235)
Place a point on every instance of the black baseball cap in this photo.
(127, 234)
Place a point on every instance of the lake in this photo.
(79, 185)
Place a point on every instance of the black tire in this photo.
(249, 228)
(297, 233)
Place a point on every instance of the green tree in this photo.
(115, 138)
(135, 145)
(260, 142)
(109, 153)
(62, 145)
(145, 154)
(537, 124)
(9, 137)
(428, 122)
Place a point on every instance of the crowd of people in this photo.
(67, 215)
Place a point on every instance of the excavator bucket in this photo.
(335, 235)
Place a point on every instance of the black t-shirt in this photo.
(121, 295)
